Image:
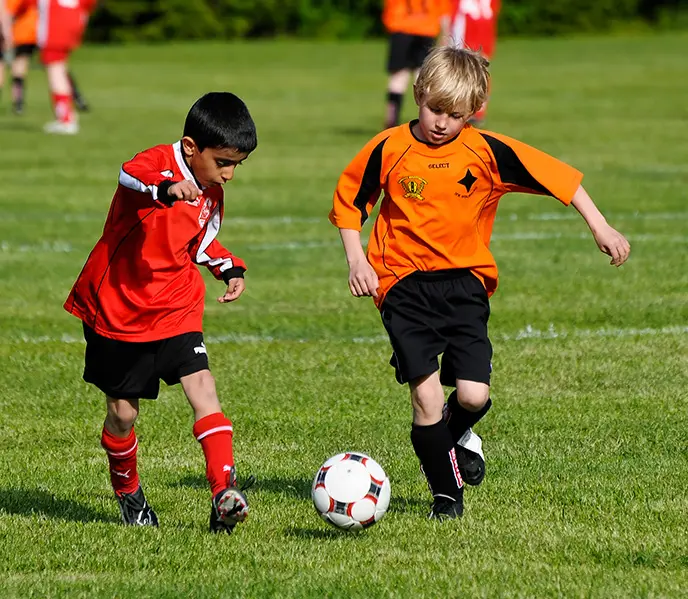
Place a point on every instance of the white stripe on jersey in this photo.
(181, 163)
(212, 229)
(42, 28)
(130, 182)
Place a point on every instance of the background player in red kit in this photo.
(61, 25)
(474, 26)
(141, 297)
(24, 17)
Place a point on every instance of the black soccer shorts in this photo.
(407, 51)
(132, 370)
(443, 312)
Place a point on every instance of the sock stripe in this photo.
(212, 431)
(455, 467)
(122, 454)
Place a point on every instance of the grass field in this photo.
(587, 443)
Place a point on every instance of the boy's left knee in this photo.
(472, 395)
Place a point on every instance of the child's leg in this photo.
(466, 406)
(120, 443)
(20, 67)
(432, 440)
(396, 87)
(78, 98)
(212, 429)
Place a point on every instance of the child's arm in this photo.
(362, 277)
(608, 239)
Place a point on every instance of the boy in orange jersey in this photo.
(413, 27)
(428, 264)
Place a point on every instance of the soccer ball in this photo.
(351, 491)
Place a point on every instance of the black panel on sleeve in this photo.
(511, 169)
(370, 183)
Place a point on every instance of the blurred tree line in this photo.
(159, 20)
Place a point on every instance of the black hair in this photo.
(221, 120)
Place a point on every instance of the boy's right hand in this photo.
(183, 190)
(363, 279)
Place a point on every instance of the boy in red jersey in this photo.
(141, 297)
(61, 25)
(474, 26)
(428, 263)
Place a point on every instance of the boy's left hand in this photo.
(235, 287)
(614, 244)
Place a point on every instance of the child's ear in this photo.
(189, 146)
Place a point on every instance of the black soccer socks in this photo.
(459, 419)
(435, 449)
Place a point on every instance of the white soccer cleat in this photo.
(472, 442)
(62, 128)
(470, 458)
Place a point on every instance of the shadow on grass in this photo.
(299, 488)
(30, 502)
(405, 505)
(18, 125)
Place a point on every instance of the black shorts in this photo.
(407, 51)
(22, 50)
(444, 312)
(129, 370)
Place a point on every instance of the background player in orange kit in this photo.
(428, 263)
(474, 26)
(141, 297)
(61, 25)
(413, 27)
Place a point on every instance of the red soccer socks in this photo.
(214, 433)
(63, 108)
(121, 452)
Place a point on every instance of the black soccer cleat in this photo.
(446, 508)
(470, 458)
(229, 507)
(135, 509)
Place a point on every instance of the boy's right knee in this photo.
(121, 416)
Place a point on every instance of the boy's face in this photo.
(437, 126)
(212, 166)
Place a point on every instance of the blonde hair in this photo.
(453, 80)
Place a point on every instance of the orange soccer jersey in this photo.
(439, 202)
(415, 17)
(24, 21)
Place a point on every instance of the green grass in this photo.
(586, 444)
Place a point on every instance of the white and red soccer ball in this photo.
(351, 491)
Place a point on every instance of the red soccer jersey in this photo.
(475, 24)
(61, 23)
(140, 282)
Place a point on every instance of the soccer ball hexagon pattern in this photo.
(351, 491)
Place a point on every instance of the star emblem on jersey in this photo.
(413, 186)
(468, 180)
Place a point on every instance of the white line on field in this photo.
(528, 332)
(64, 247)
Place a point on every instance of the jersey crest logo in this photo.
(169, 174)
(205, 211)
(413, 186)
